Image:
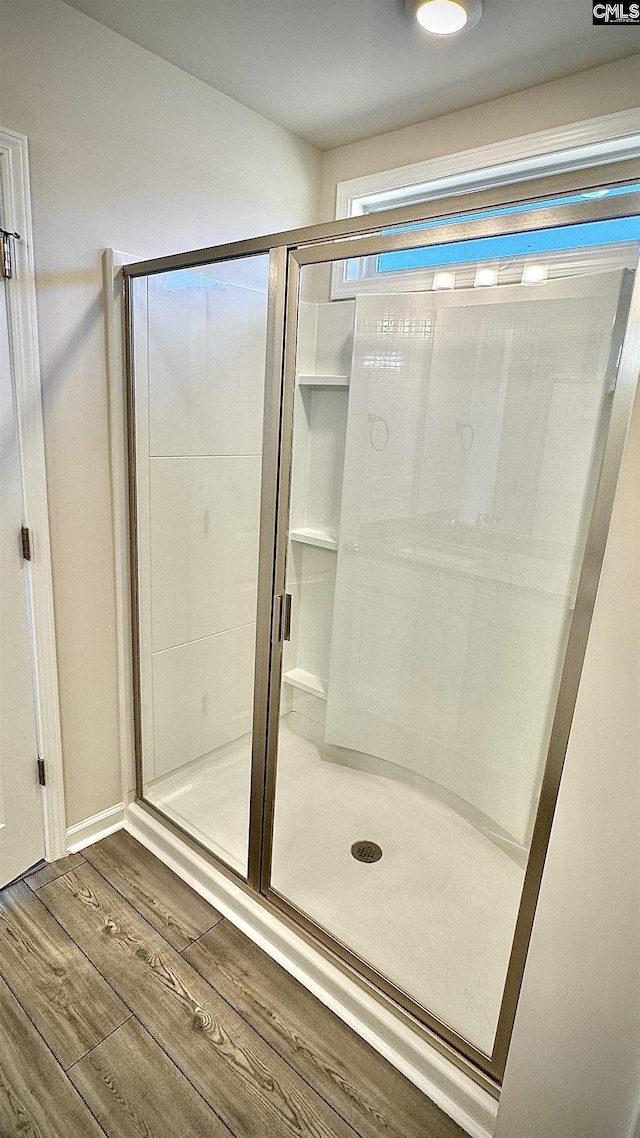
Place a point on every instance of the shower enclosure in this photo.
(372, 466)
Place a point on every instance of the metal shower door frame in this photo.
(615, 425)
(358, 237)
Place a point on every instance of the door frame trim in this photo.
(23, 333)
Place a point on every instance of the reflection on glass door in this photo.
(446, 447)
(199, 361)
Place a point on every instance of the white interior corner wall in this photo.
(126, 151)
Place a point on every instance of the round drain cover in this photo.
(366, 851)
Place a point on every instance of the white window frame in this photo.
(23, 333)
(593, 142)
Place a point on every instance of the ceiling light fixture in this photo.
(445, 17)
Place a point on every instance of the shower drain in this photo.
(366, 851)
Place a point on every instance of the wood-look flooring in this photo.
(129, 1007)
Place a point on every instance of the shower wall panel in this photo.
(456, 564)
(204, 559)
(199, 395)
(206, 378)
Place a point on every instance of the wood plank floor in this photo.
(68, 1000)
(129, 1007)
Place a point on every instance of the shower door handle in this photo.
(284, 630)
(286, 616)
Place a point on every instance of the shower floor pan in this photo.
(435, 913)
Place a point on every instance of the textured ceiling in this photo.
(335, 71)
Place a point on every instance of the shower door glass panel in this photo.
(446, 448)
(199, 362)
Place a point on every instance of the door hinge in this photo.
(6, 252)
(41, 775)
(25, 542)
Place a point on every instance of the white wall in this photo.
(600, 91)
(129, 152)
(574, 1065)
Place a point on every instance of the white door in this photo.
(21, 831)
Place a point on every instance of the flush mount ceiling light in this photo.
(445, 17)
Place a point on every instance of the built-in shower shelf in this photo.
(306, 681)
(323, 381)
(320, 538)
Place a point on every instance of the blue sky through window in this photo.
(514, 245)
(555, 239)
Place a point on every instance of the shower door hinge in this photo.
(6, 252)
(25, 543)
(41, 775)
(284, 619)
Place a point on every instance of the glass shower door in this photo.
(364, 573)
(448, 432)
(199, 344)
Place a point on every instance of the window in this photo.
(559, 250)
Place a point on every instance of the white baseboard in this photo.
(93, 829)
(473, 1108)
